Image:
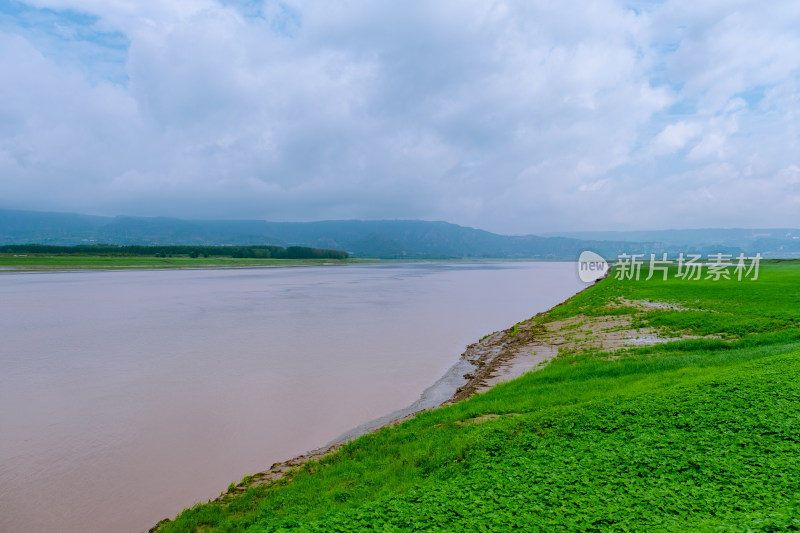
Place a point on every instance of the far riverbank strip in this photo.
(33, 263)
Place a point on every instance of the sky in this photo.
(511, 116)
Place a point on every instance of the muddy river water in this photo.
(126, 396)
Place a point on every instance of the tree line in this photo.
(251, 252)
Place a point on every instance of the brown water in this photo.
(127, 396)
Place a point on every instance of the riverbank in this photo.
(494, 359)
(36, 263)
(616, 341)
(497, 358)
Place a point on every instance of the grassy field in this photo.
(699, 434)
(69, 262)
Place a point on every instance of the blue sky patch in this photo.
(71, 37)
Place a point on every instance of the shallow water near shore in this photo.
(127, 396)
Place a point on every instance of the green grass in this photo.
(694, 435)
(69, 262)
(734, 308)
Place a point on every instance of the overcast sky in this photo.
(515, 117)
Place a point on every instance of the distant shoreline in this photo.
(113, 264)
(33, 263)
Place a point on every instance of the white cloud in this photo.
(514, 117)
(675, 136)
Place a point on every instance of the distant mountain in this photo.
(388, 239)
(17, 227)
(770, 242)
(734, 236)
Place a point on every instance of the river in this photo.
(126, 396)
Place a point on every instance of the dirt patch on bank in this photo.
(508, 354)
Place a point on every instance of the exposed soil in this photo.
(502, 357)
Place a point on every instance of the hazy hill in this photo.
(47, 228)
(784, 242)
(380, 238)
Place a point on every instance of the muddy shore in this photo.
(498, 357)
(480, 366)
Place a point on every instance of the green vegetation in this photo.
(37, 256)
(698, 434)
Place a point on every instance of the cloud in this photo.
(514, 117)
(675, 136)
